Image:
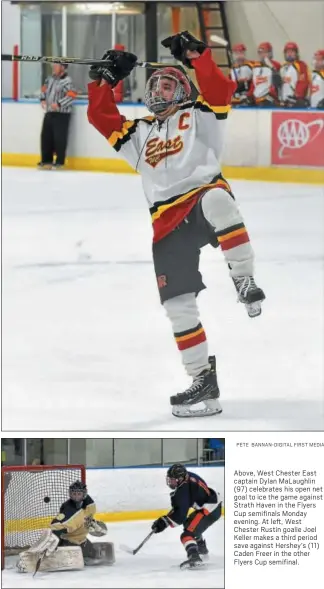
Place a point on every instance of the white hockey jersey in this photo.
(178, 158)
(242, 74)
(263, 80)
(294, 77)
(317, 88)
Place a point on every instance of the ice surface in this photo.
(155, 565)
(86, 344)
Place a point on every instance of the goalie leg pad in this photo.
(47, 542)
(63, 559)
(101, 553)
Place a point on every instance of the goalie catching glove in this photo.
(181, 43)
(119, 66)
(96, 528)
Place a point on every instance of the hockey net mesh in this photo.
(31, 499)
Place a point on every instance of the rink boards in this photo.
(248, 153)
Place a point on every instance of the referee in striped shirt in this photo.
(56, 99)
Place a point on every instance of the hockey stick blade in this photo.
(127, 549)
(219, 40)
(135, 551)
(39, 562)
(74, 60)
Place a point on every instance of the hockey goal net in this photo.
(30, 498)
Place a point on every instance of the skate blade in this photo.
(212, 407)
(187, 566)
(253, 309)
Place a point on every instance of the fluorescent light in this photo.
(105, 8)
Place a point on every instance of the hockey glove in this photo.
(182, 42)
(119, 66)
(97, 528)
(241, 87)
(160, 525)
(320, 105)
(290, 102)
(293, 102)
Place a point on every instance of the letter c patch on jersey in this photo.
(182, 125)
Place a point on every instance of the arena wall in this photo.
(139, 493)
(247, 153)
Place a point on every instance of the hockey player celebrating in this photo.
(266, 80)
(190, 490)
(295, 79)
(317, 87)
(65, 544)
(177, 152)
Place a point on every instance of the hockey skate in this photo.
(249, 294)
(204, 389)
(194, 561)
(202, 547)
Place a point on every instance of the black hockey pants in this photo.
(198, 522)
(54, 137)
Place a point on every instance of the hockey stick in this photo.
(135, 551)
(219, 40)
(39, 562)
(224, 43)
(74, 60)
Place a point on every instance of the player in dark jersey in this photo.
(70, 528)
(189, 490)
(71, 525)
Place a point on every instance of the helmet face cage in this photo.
(153, 98)
(78, 492)
(238, 53)
(318, 60)
(265, 48)
(291, 47)
(176, 474)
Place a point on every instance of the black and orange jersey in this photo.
(193, 492)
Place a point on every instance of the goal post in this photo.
(31, 496)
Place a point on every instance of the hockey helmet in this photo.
(265, 48)
(78, 492)
(238, 53)
(289, 47)
(239, 48)
(318, 60)
(157, 98)
(176, 475)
